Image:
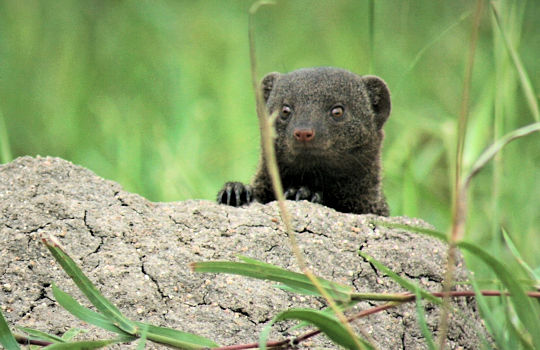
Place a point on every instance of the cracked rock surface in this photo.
(137, 253)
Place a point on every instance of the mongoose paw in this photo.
(235, 194)
(303, 193)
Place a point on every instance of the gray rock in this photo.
(137, 253)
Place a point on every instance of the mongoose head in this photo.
(326, 116)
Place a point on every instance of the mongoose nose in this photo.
(304, 135)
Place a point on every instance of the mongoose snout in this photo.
(304, 135)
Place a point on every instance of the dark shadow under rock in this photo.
(138, 253)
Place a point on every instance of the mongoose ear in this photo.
(267, 84)
(379, 95)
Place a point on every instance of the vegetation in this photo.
(157, 96)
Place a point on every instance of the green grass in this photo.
(157, 95)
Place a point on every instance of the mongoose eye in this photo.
(337, 111)
(285, 111)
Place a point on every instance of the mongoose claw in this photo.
(235, 194)
(290, 193)
(303, 193)
(316, 198)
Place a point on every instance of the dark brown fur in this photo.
(323, 156)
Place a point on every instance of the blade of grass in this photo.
(464, 113)
(492, 150)
(249, 260)
(330, 286)
(410, 192)
(328, 324)
(516, 336)
(269, 160)
(525, 310)
(142, 340)
(83, 313)
(511, 325)
(420, 313)
(501, 98)
(371, 31)
(35, 334)
(267, 145)
(297, 290)
(72, 333)
(488, 317)
(265, 271)
(523, 306)
(423, 50)
(327, 311)
(525, 81)
(84, 345)
(94, 296)
(5, 150)
(6, 337)
(412, 287)
(294, 289)
(176, 338)
(459, 202)
(518, 257)
(159, 334)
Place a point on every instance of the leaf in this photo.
(249, 260)
(517, 335)
(494, 148)
(264, 271)
(371, 34)
(255, 6)
(429, 45)
(99, 301)
(525, 310)
(72, 333)
(142, 340)
(525, 81)
(410, 286)
(296, 290)
(5, 150)
(518, 257)
(487, 316)
(420, 313)
(84, 345)
(327, 311)
(83, 313)
(327, 324)
(6, 337)
(176, 338)
(159, 334)
(35, 334)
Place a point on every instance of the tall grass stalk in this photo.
(459, 204)
(267, 144)
(5, 150)
(265, 123)
(504, 83)
(525, 81)
(461, 184)
(426, 47)
(371, 33)
(504, 104)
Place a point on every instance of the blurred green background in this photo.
(157, 95)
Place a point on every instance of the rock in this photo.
(137, 253)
